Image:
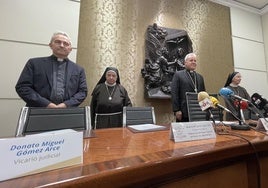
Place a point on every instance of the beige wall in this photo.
(26, 28)
(111, 33)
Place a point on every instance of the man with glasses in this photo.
(54, 81)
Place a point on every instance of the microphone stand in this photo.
(221, 114)
(241, 119)
(256, 112)
(210, 116)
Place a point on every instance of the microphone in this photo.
(216, 103)
(241, 104)
(259, 101)
(228, 93)
(204, 101)
(205, 104)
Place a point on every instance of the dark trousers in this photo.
(183, 119)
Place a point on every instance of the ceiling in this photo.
(257, 6)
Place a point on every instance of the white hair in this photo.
(189, 55)
(60, 33)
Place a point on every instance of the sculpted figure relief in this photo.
(165, 50)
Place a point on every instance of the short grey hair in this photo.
(188, 55)
(60, 33)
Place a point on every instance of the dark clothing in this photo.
(230, 78)
(57, 93)
(230, 103)
(182, 83)
(36, 82)
(103, 106)
(103, 77)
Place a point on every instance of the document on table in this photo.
(147, 127)
(225, 122)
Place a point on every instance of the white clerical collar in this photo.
(190, 71)
(111, 85)
(233, 85)
(60, 59)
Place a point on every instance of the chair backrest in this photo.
(194, 111)
(138, 115)
(36, 120)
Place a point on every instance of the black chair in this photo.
(138, 115)
(36, 120)
(194, 111)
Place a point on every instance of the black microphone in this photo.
(260, 102)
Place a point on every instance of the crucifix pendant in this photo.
(195, 90)
(110, 98)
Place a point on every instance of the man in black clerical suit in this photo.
(187, 80)
(54, 81)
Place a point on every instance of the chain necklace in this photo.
(193, 81)
(108, 91)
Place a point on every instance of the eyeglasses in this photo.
(59, 42)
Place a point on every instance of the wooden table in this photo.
(120, 158)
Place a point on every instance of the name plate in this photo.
(36, 153)
(188, 131)
(262, 124)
